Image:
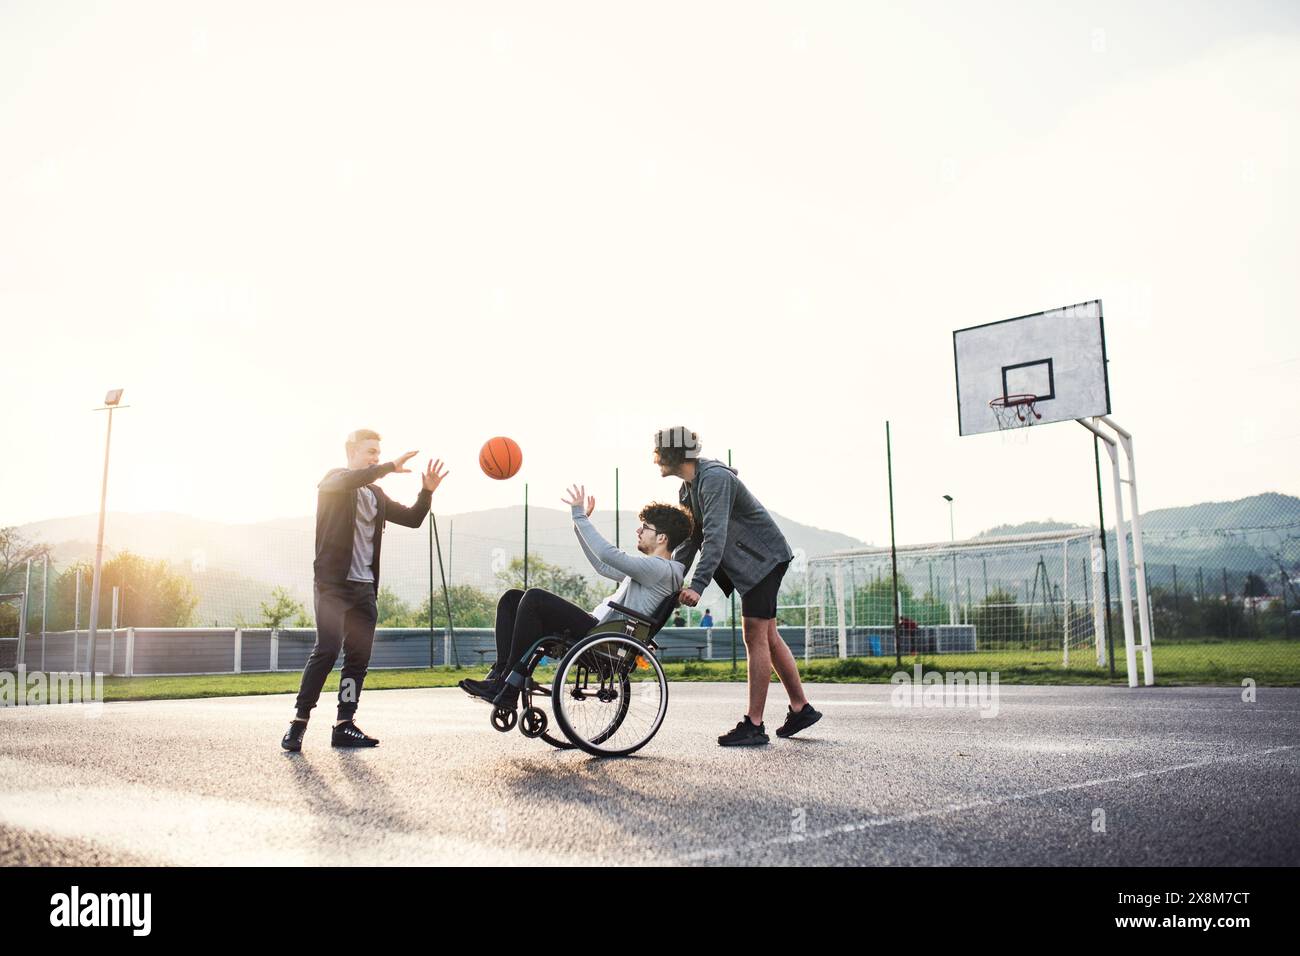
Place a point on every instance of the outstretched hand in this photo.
(399, 464)
(576, 495)
(431, 478)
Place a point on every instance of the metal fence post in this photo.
(45, 606)
(112, 635)
(22, 621)
(76, 620)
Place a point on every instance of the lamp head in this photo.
(113, 396)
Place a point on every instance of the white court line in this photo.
(863, 825)
(1019, 703)
(827, 701)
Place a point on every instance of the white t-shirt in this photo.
(363, 537)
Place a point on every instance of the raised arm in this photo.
(716, 494)
(642, 568)
(411, 517)
(350, 479)
(603, 569)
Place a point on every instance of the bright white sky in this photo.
(573, 223)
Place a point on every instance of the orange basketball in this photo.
(500, 458)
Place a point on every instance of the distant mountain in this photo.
(235, 567)
(1246, 516)
(1025, 527)
(1214, 540)
(1258, 511)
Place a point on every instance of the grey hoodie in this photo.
(737, 540)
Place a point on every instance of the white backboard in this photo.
(1058, 356)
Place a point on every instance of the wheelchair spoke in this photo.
(610, 694)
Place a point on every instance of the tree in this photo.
(63, 597)
(1255, 586)
(392, 610)
(1223, 619)
(998, 618)
(792, 592)
(874, 600)
(282, 607)
(470, 607)
(570, 585)
(15, 551)
(151, 594)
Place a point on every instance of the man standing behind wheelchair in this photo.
(646, 579)
(741, 548)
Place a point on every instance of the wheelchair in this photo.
(609, 694)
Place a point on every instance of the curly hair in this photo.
(676, 444)
(672, 520)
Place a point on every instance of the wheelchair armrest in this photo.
(634, 615)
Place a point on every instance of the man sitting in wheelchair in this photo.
(647, 579)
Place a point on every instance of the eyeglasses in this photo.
(646, 527)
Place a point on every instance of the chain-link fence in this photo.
(1223, 602)
(241, 579)
(1222, 593)
(1225, 599)
(1033, 600)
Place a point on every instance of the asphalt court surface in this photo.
(1076, 776)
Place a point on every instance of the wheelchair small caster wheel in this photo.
(533, 723)
(504, 720)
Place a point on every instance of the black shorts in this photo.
(760, 600)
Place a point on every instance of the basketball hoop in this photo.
(1015, 412)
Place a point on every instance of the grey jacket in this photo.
(737, 540)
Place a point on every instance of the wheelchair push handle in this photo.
(635, 615)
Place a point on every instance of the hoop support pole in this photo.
(1139, 564)
(1121, 548)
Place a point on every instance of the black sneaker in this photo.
(797, 721)
(348, 734)
(745, 735)
(482, 689)
(292, 739)
(507, 697)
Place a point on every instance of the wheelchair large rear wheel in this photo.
(610, 695)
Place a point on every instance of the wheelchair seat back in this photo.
(639, 629)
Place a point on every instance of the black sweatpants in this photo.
(345, 617)
(523, 617)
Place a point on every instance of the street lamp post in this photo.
(110, 404)
(952, 537)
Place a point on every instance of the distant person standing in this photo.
(707, 620)
(350, 515)
(678, 620)
(739, 546)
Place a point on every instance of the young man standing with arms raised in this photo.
(350, 514)
(739, 546)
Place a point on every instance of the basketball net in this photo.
(1015, 414)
